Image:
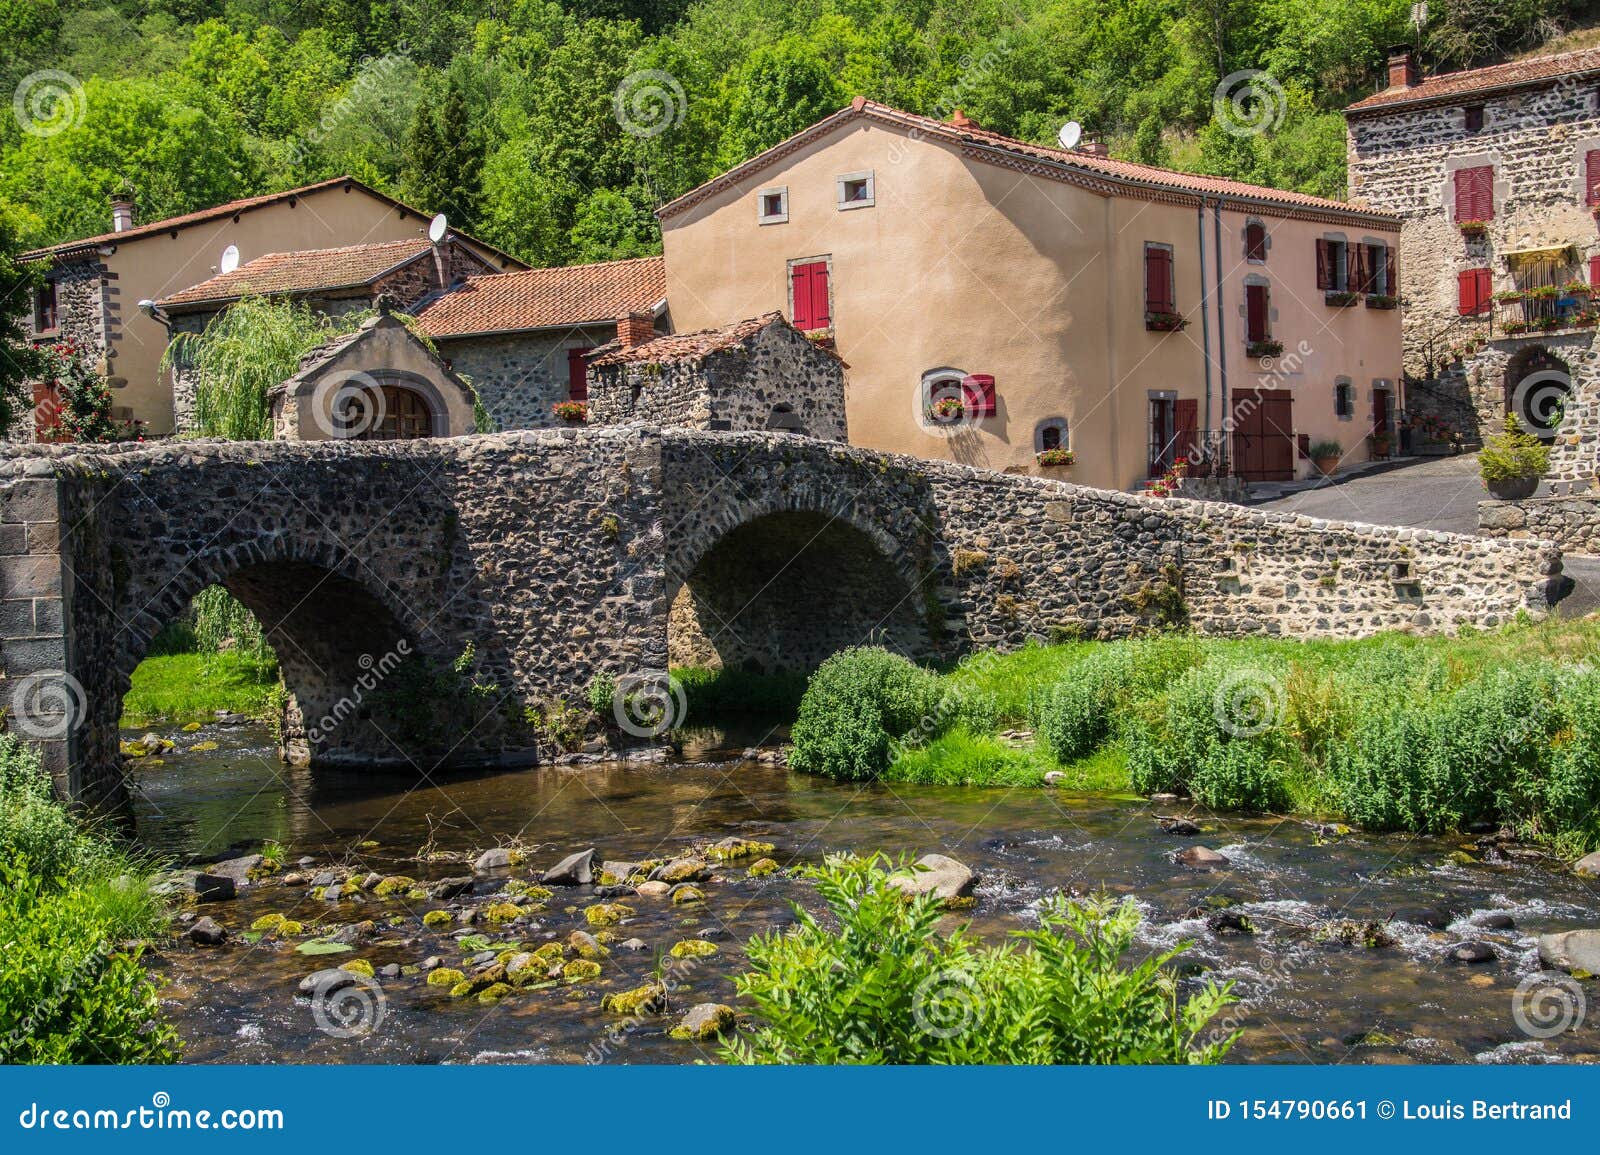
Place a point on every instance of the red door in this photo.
(578, 373)
(1189, 429)
(1263, 434)
(46, 413)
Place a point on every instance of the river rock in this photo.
(1571, 950)
(938, 875)
(1470, 952)
(653, 889)
(1496, 920)
(685, 869)
(573, 870)
(207, 932)
(1052, 777)
(621, 871)
(295, 878)
(1588, 865)
(634, 944)
(390, 971)
(447, 888)
(1163, 799)
(1432, 917)
(500, 858)
(214, 887)
(324, 878)
(1172, 824)
(325, 982)
(585, 945)
(704, 1021)
(237, 869)
(371, 881)
(1200, 858)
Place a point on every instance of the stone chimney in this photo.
(1404, 72)
(121, 211)
(635, 329)
(959, 119)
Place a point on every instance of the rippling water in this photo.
(1305, 1000)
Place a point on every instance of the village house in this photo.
(1495, 174)
(93, 287)
(998, 300)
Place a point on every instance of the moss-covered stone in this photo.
(515, 887)
(704, 1021)
(190, 727)
(393, 885)
(445, 977)
(358, 966)
(585, 945)
(501, 911)
(732, 848)
(410, 970)
(607, 913)
(682, 870)
(648, 999)
(462, 989)
(687, 894)
(289, 928)
(762, 867)
(418, 894)
(437, 919)
(550, 952)
(693, 948)
(494, 992)
(580, 970)
(268, 922)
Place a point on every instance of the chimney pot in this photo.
(635, 329)
(959, 119)
(121, 213)
(1404, 72)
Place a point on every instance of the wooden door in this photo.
(1263, 434)
(578, 373)
(1380, 413)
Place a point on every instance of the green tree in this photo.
(610, 225)
(19, 360)
(780, 90)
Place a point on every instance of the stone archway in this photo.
(1537, 389)
(783, 591)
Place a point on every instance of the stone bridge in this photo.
(447, 601)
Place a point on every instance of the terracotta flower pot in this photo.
(1327, 466)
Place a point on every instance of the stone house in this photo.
(94, 286)
(996, 299)
(378, 383)
(522, 339)
(758, 374)
(335, 282)
(1495, 174)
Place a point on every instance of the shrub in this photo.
(888, 987)
(1083, 709)
(602, 693)
(1324, 449)
(1512, 455)
(855, 705)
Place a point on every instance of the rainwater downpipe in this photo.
(1205, 311)
(1222, 342)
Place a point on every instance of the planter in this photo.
(1380, 447)
(1165, 322)
(1263, 349)
(1340, 298)
(574, 412)
(946, 411)
(1473, 229)
(1382, 301)
(1327, 466)
(1056, 458)
(1513, 488)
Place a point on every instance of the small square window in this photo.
(46, 315)
(1344, 400)
(1473, 115)
(772, 206)
(856, 190)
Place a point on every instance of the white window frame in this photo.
(850, 178)
(779, 218)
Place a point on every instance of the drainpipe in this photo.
(1222, 343)
(1205, 311)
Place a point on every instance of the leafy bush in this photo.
(888, 987)
(1324, 449)
(855, 705)
(1512, 455)
(602, 693)
(1083, 709)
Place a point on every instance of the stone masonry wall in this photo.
(557, 554)
(519, 376)
(1573, 523)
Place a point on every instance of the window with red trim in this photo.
(1257, 314)
(1475, 193)
(1255, 241)
(1591, 177)
(1473, 292)
(578, 374)
(809, 292)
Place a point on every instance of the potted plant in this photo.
(1165, 322)
(946, 409)
(1268, 348)
(574, 411)
(1512, 328)
(1510, 296)
(1325, 455)
(1513, 462)
(1052, 457)
(1340, 297)
(1382, 301)
(1473, 228)
(1576, 289)
(1380, 445)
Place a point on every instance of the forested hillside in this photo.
(553, 129)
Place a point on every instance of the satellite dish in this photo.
(230, 259)
(1071, 133)
(437, 227)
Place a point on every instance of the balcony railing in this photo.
(1544, 310)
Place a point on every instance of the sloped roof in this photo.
(1102, 174)
(1535, 71)
(691, 346)
(306, 271)
(546, 298)
(316, 359)
(228, 209)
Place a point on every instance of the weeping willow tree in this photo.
(242, 353)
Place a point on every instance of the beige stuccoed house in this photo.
(93, 287)
(1052, 298)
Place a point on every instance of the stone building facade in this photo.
(520, 377)
(757, 374)
(1494, 173)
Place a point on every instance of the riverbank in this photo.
(1392, 732)
(196, 687)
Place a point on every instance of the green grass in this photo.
(712, 694)
(193, 687)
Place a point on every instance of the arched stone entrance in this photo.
(1538, 386)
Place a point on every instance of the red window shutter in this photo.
(811, 296)
(1158, 294)
(1464, 194)
(1188, 425)
(1475, 193)
(800, 279)
(1255, 297)
(1486, 194)
(1391, 275)
(1485, 290)
(821, 314)
(1467, 292)
(977, 394)
(578, 374)
(46, 412)
(1255, 242)
(1356, 272)
(1594, 272)
(1591, 176)
(1324, 264)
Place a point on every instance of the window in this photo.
(1333, 265)
(1473, 292)
(1377, 276)
(855, 190)
(1475, 194)
(1160, 296)
(1472, 116)
(1051, 433)
(1255, 242)
(1049, 438)
(772, 206)
(1344, 400)
(1257, 314)
(1591, 177)
(46, 316)
(578, 373)
(811, 306)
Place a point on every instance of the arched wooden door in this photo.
(402, 415)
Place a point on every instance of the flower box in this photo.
(946, 410)
(1050, 457)
(1473, 228)
(1263, 349)
(1544, 293)
(1510, 296)
(1585, 320)
(1340, 297)
(1165, 322)
(1512, 328)
(1381, 301)
(1576, 289)
(574, 411)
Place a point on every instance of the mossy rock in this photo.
(687, 894)
(288, 928)
(445, 977)
(463, 988)
(516, 887)
(395, 884)
(417, 894)
(550, 952)
(731, 848)
(1462, 858)
(704, 1021)
(693, 948)
(191, 727)
(648, 999)
(410, 970)
(607, 913)
(203, 747)
(525, 967)
(494, 992)
(763, 867)
(580, 970)
(607, 937)
(585, 945)
(437, 918)
(358, 966)
(502, 911)
(268, 922)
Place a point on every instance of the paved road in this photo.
(1434, 493)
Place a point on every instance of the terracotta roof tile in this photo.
(1112, 175)
(546, 298)
(1515, 74)
(302, 272)
(686, 346)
